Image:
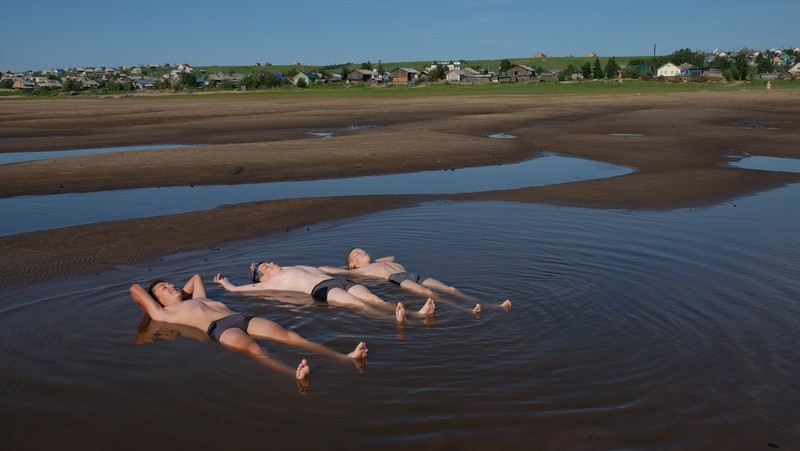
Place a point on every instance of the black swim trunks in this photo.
(216, 328)
(399, 277)
(320, 291)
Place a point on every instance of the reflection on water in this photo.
(759, 127)
(629, 330)
(769, 164)
(17, 157)
(330, 132)
(502, 136)
(321, 134)
(30, 213)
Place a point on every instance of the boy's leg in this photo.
(361, 292)
(414, 287)
(270, 330)
(237, 340)
(430, 282)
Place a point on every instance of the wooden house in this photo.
(404, 75)
(359, 76)
(521, 73)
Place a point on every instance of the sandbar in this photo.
(679, 144)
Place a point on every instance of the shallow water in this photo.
(629, 330)
(502, 136)
(18, 157)
(30, 213)
(769, 164)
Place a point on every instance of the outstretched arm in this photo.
(388, 258)
(194, 288)
(146, 302)
(335, 270)
(226, 284)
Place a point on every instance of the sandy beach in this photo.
(679, 144)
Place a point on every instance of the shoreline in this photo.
(680, 156)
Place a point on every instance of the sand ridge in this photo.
(679, 145)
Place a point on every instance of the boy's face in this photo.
(167, 293)
(357, 258)
(267, 270)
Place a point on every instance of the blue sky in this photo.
(55, 34)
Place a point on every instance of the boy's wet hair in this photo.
(347, 259)
(152, 286)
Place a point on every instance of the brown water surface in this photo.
(629, 330)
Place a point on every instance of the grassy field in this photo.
(604, 87)
(552, 88)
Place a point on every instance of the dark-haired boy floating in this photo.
(190, 307)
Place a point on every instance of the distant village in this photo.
(764, 65)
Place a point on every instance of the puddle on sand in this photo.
(29, 138)
(502, 136)
(758, 127)
(322, 134)
(331, 132)
(318, 132)
(29, 213)
(19, 157)
(625, 135)
(768, 164)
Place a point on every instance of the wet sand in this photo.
(680, 158)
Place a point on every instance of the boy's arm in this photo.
(147, 303)
(334, 270)
(388, 258)
(194, 288)
(226, 284)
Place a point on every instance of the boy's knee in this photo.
(294, 337)
(255, 349)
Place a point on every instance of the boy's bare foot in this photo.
(429, 308)
(303, 370)
(506, 305)
(360, 352)
(477, 309)
(400, 312)
(302, 377)
(359, 356)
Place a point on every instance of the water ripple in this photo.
(654, 329)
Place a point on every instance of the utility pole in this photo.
(653, 67)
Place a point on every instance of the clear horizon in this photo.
(245, 32)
